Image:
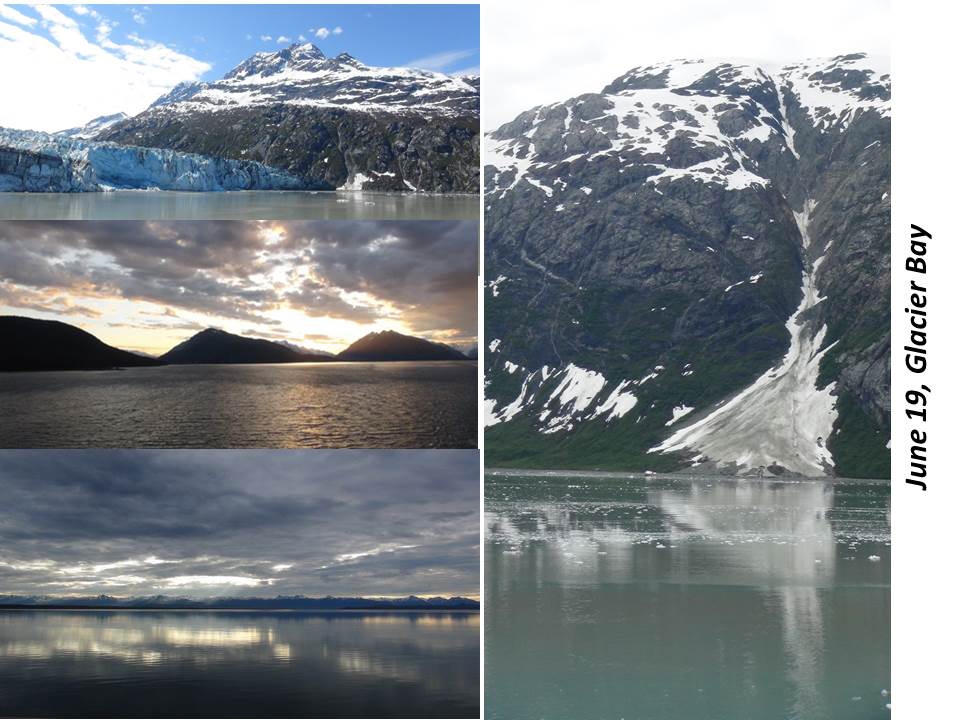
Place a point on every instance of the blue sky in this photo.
(100, 59)
(447, 36)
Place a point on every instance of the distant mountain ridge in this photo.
(32, 344)
(295, 602)
(92, 128)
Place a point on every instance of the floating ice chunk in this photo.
(874, 558)
(494, 344)
(510, 367)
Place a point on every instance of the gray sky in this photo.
(240, 522)
(538, 52)
(322, 284)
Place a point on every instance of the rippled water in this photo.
(240, 205)
(375, 405)
(239, 664)
(686, 599)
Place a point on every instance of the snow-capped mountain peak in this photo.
(302, 75)
(93, 128)
(686, 118)
(298, 56)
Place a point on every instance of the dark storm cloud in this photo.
(239, 522)
(427, 270)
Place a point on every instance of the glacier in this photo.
(40, 162)
(783, 418)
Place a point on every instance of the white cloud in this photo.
(84, 11)
(8, 13)
(301, 38)
(83, 77)
(249, 36)
(282, 39)
(575, 52)
(322, 33)
(266, 38)
(379, 550)
(233, 580)
(337, 30)
(138, 17)
(439, 61)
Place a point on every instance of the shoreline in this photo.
(650, 475)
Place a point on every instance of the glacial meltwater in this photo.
(237, 205)
(359, 405)
(686, 598)
(239, 664)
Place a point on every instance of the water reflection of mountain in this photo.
(746, 575)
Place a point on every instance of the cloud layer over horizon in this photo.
(240, 523)
(322, 284)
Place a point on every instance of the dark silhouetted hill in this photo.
(218, 346)
(31, 344)
(390, 345)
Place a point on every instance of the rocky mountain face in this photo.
(30, 344)
(387, 345)
(332, 122)
(690, 269)
(40, 162)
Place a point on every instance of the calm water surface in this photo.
(375, 405)
(239, 664)
(237, 205)
(686, 599)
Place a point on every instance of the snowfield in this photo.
(639, 121)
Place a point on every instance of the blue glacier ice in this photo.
(39, 162)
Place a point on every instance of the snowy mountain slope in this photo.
(92, 128)
(39, 162)
(335, 122)
(691, 268)
(303, 75)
